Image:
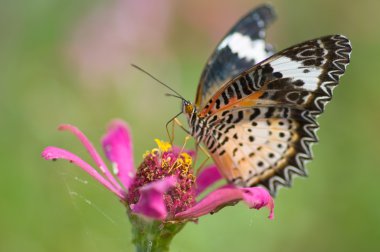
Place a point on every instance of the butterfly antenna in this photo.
(176, 96)
(154, 78)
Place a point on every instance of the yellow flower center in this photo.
(163, 146)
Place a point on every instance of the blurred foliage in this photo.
(49, 206)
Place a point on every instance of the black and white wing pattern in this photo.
(259, 126)
(242, 47)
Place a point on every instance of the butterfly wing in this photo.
(242, 47)
(264, 146)
(302, 76)
(263, 122)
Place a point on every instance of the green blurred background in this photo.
(68, 62)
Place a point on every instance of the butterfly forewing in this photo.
(302, 76)
(261, 124)
(242, 47)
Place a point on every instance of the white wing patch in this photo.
(245, 47)
(296, 70)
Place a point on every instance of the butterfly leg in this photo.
(182, 148)
(178, 123)
(181, 125)
(171, 134)
(174, 121)
(198, 146)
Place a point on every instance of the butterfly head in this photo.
(187, 107)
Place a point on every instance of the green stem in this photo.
(152, 236)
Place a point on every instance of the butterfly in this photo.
(255, 110)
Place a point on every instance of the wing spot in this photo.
(224, 113)
(270, 112)
(224, 141)
(229, 119)
(225, 98)
(217, 104)
(281, 134)
(277, 75)
(256, 113)
(299, 83)
(271, 155)
(260, 163)
(304, 93)
(230, 92)
(234, 152)
(228, 128)
(241, 160)
(237, 90)
(240, 117)
(293, 96)
(267, 69)
(251, 138)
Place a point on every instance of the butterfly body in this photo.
(256, 111)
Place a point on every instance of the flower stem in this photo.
(152, 236)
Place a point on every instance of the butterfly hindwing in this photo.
(263, 146)
(262, 123)
(242, 47)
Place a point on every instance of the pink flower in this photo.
(164, 186)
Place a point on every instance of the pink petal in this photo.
(117, 145)
(207, 177)
(255, 197)
(53, 153)
(258, 197)
(93, 153)
(151, 202)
